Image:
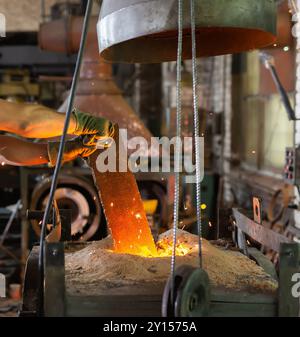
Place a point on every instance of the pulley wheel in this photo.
(191, 295)
(78, 194)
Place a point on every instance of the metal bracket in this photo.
(30, 287)
(54, 279)
(289, 264)
(241, 241)
(66, 219)
(261, 234)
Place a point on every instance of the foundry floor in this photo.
(9, 307)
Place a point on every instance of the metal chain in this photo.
(178, 154)
(196, 129)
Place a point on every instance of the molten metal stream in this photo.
(124, 211)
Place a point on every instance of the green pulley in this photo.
(192, 293)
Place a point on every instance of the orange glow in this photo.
(124, 211)
(165, 248)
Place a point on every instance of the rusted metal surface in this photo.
(257, 210)
(97, 91)
(123, 209)
(259, 233)
(62, 35)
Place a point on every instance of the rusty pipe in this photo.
(62, 35)
(97, 91)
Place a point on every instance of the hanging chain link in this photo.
(196, 128)
(178, 153)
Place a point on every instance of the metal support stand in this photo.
(289, 265)
(54, 279)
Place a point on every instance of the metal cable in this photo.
(62, 147)
(178, 153)
(196, 128)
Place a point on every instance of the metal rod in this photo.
(62, 146)
(269, 63)
(196, 129)
(9, 223)
(5, 232)
(178, 146)
(285, 99)
(9, 253)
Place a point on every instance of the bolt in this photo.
(193, 303)
(55, 252)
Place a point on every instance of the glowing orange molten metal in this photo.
(165, 248)
(124, 211)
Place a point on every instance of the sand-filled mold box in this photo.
(94, 269)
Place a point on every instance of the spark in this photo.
(138, 216)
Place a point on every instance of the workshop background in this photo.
(249, 138)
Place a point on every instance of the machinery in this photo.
(188, 291)
(10, 238)
(97, 93)
(246, 25)
(195, 297)
(17, 83)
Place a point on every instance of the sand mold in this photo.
(95, 269)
